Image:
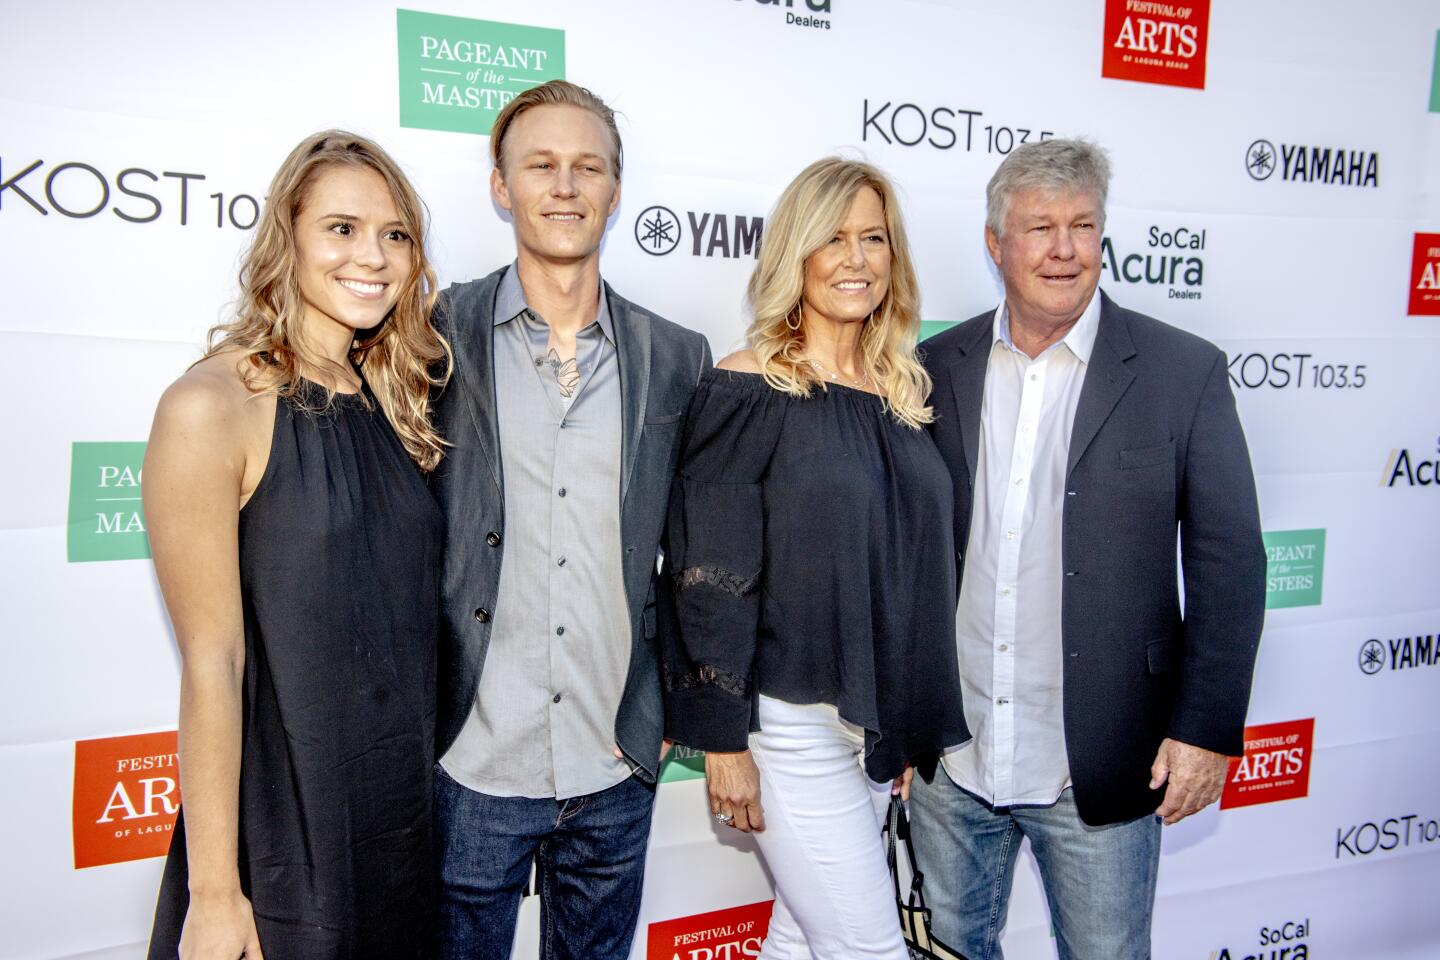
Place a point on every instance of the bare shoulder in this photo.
(741, 361)
(210, 408)
(209, 396)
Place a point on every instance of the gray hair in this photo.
(1047, 165)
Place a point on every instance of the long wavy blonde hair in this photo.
(403, 358)
(808, 214)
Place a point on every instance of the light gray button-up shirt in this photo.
(543, 724)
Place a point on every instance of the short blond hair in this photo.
(554, 93)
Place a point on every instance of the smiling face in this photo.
(846, 279)
(558, 182)
(353, 254)
(1049, 256)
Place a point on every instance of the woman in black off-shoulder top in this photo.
(810, 641)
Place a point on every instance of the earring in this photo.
(799, 314)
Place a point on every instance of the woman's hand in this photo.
(901, 785)
(734, 784)
(219, 927)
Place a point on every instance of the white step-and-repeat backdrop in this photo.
(1277, 190)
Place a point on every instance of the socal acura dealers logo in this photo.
(1289, 940)
(1302, 163)
(1171, 258)
(658, 231)
(1403, 469)
(807, 15)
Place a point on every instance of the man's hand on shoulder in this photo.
(1195, 777)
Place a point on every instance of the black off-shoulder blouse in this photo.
(810, 557)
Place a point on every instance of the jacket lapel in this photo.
(1106, 379)
(967, 381)
(474, 345)
(632, 343)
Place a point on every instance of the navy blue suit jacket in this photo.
(1156, 448)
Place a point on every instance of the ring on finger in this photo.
(725, 818)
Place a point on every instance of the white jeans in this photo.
(821, 842)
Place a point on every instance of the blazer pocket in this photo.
(1148, 456)
(661, 421)
(1162, 656)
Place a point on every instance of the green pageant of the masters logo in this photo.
(106, 519)
(456, 74)
(928, 328)
(682, 763)
(1293, 575)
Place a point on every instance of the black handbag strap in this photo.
(897, 827)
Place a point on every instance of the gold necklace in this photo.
(843, 381)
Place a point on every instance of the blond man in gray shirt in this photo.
(565, 415)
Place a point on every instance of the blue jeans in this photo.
(590, 865)
(1099, 881)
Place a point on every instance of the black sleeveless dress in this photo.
(339, 571)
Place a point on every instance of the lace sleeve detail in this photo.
(705, 676)
(724, 580)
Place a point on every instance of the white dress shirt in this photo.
(1008, 620)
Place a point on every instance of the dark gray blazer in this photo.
(1156, 444)
(660, 363)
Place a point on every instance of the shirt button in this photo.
(559, 631)
(482, 614)
(1004, 591)
(556, 698)
(1002, 701)
(492, 538)
(560, 562)
(562, 491)
(1034, 376)
(1004, 647)
(1019, 482)
(1009, 534)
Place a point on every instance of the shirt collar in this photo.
(1080, 339)
(510, 301)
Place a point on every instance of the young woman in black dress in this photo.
(297, 548)
(811, 549)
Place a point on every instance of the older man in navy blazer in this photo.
(1082, 438)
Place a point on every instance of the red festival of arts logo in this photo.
(732, 934)
(127, 793)
(1425, 276)
(1153, 41)
(1276, 765)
